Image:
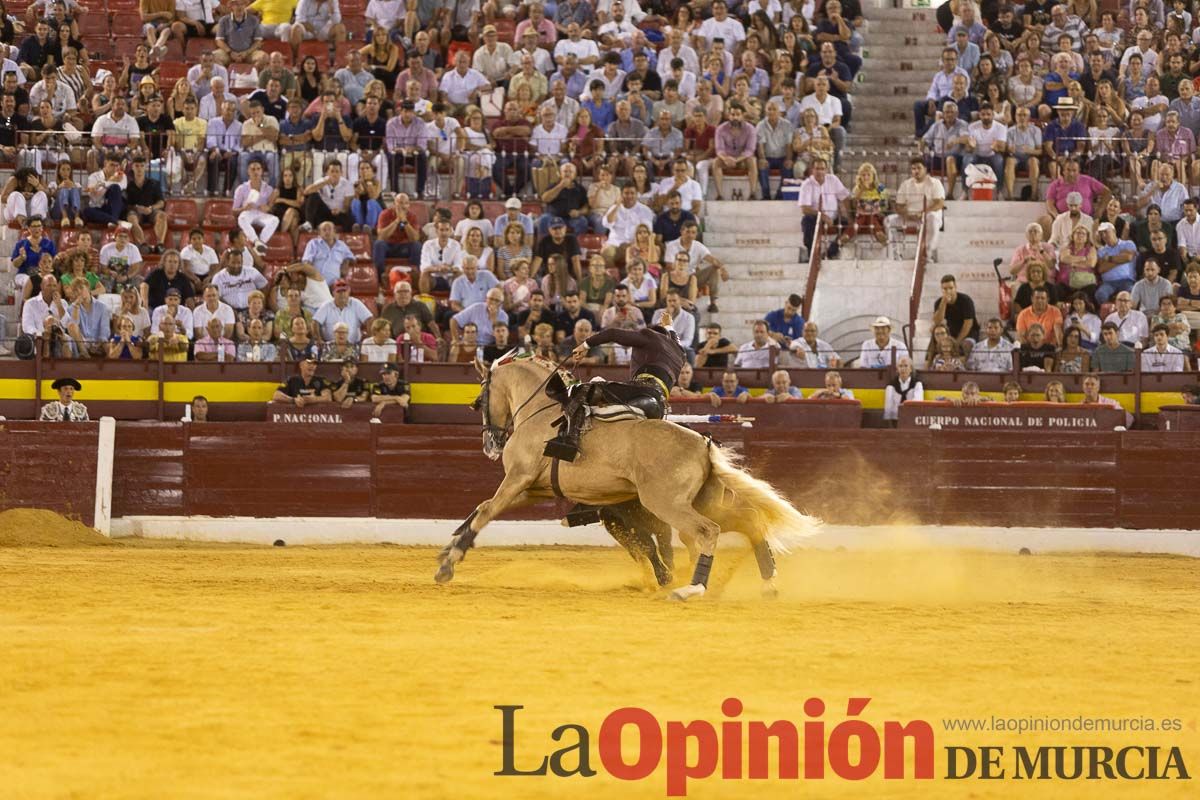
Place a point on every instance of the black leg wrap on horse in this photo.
(766, 559)
(703, 567)
(582, 515)
(464, 534)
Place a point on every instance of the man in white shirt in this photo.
(719, 26)
(210, 308)
(622, 221)
(440, 257)
(816, 353)
(236, 281)
(877, 352)
(920, 194)
(987, 142)
(1163, 356)
(491, 58)
(992, 353)
(823, 196)
(677, 48)
(45, 314)
(197, 257)
(463, 85)
(691, 196)
(1132, 326)
(212, 103)
(584, 50)
(174, 307)
(619, 30)
(683, 323)
(1187, 233)
(114, 130)
(759, 351)
(387, 14)
(565, 108)
(709, 270)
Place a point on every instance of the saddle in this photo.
(611, 401)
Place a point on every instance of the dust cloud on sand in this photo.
(35, 527)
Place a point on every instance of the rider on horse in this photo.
(656, 358)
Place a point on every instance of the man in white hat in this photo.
(65, 408)
(877, 351)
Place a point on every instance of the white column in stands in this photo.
(104, 474)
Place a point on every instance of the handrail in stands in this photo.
(814, 267)
(918, 280)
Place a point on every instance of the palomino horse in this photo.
(679, 476)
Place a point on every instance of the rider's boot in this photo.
(565, 446)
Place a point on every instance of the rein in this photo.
(501, 435)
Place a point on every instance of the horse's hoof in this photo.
(685, 593)
(663, 580)
(445, 572)
(770, 592)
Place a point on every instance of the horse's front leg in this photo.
(510, 494)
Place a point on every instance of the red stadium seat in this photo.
(280, 250)
(122, 5)
(126, 25)
(276, 46)
(506, 29)
(169, 72)
(359, 244)
(592, 242)
(182, 215)
(93, 26)
(218, 215)
(305, 238)
(318, 50)
(124, 46)
(421, 212)
(363, 280)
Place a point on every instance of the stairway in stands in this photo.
(851, 291)
(902, 50)
(761, 244)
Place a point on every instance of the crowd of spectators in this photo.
(603, 120)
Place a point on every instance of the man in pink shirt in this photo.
(1094, 193)
(737, 143)
(823, 195)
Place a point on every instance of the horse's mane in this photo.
(514, 357)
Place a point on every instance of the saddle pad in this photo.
(615, 413)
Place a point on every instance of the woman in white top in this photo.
(643, 289)
(474, 219)
(904, 387)
(1082, 317)
(478, 148)
(473, 245)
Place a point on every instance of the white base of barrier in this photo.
(351, 530)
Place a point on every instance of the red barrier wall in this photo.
(49, 466)
(1133, 479)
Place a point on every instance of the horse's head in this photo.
(504, 388)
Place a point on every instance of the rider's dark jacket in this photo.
(653, 351)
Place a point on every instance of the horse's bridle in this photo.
(493, 434)
(499, 436)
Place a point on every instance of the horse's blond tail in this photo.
(776, 520)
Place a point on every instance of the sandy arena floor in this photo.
(164, 670)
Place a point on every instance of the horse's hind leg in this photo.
(679, 513)
(628, 526)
